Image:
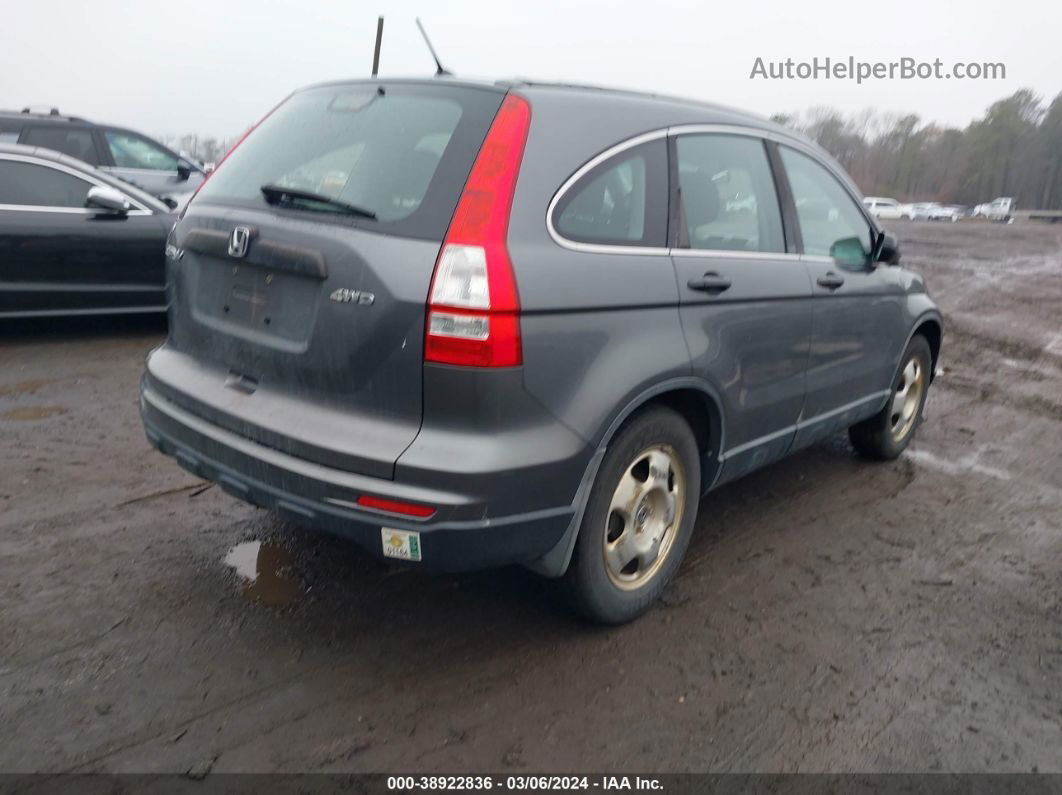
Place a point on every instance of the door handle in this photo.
(711, 282)
(831, 280)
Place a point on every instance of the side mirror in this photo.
(184, 171)
(849, 252)
(887, 249)
(109, 200)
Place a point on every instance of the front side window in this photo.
(727, 193)
(135, 151)
(75, 142)
(622, 201)
(831, 222)
(33, 185)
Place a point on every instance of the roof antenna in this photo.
(439, 70)
(376, 54)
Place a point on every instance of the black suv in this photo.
(472, 324)
(125, 154)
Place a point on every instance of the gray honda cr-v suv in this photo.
(468, 325)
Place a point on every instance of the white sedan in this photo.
(917, 211)
(945, 212)
(879, 207)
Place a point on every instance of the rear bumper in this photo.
(318, 496)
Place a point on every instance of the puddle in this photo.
(27, 413)
(25, 387)
(266, 572)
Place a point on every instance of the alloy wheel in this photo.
(644, 517)
(907, 398)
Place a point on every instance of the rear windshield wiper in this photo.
(276, 194)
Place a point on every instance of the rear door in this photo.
(745, 296)
(859, 313)
(299, 321)
(57, 256)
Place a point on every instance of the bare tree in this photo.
(1015, 149)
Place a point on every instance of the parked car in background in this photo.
(998, 209)
(944, 212)
(918, 211)
(883, 209)
(126, 154)
(493, 343)
(74, 240)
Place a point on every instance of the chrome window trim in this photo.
(110, 169)
(44, 208)
(663, 251)
(589, 165)
(140, 209)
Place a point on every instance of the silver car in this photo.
(125, 154)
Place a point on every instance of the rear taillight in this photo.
(473, 307)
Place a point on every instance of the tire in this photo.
(599, 584)
(885, 435)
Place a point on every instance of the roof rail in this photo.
(52, 111)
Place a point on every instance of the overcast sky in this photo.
(215, 66)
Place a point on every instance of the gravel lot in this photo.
(832, 615)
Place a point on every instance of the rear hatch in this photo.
(297, 313)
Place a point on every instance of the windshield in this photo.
(400, 154)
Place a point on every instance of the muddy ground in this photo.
(832, 615)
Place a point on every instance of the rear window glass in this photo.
(727, 194)
(402, 153)
(622, 201)
(74, 142)
(33, 185)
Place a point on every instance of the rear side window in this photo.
(29, 184)
(401, 152)
(135, 151)
(76, 142)
(727, 193)
(621, 202)
(831, 223)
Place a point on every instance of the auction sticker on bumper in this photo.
(401, 544)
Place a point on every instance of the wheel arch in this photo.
(932, 329)
(697, 402)
(692, 398)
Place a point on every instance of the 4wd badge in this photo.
(344, 295)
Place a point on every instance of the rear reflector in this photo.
(396, 506)
(469, 327)
(473, 307)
